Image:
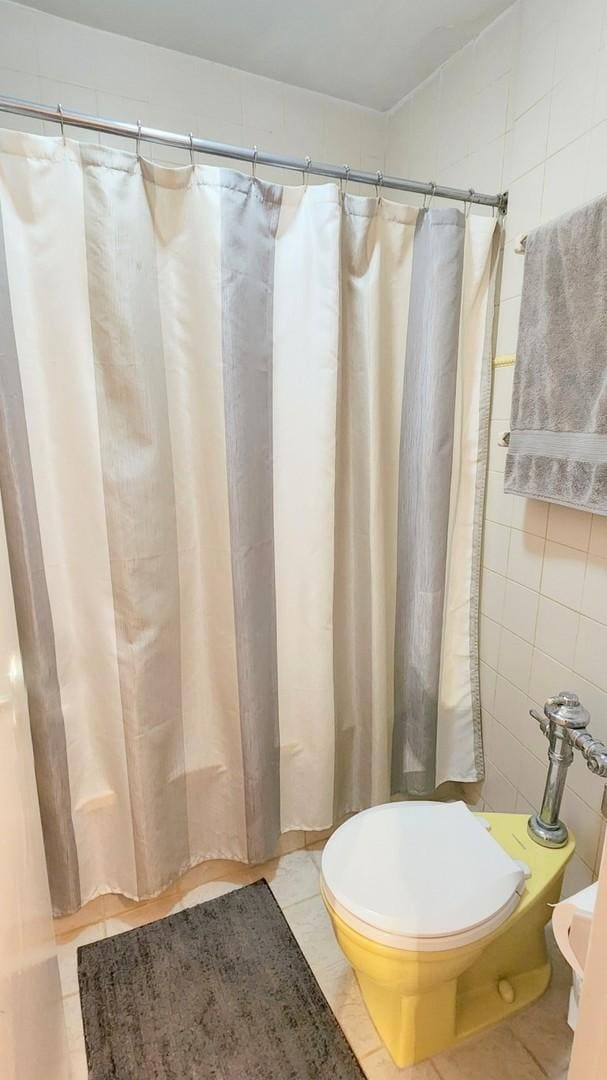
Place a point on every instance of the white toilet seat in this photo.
(419, 876)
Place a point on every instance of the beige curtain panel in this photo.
(243, 432)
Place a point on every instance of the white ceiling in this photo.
(372, 52)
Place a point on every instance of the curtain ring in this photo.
(60, 111)
(191, 150)
(343, 183)
(254, 163)
(378, 185)
(138, 139)
(305, 173)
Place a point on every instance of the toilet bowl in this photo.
(441, 913)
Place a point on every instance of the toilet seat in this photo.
(419, 876)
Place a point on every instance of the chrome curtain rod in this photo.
(58, 115)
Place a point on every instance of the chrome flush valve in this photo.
(563, 722)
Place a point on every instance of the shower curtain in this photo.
(242, 452)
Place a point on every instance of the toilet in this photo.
(441, 913)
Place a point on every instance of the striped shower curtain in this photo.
(242, 453)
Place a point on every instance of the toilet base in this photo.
(422, 1003)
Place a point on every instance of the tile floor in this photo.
(534, 1045)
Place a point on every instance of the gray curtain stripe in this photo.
(249, 220)
(34, 620)
(352, 594)
(479, 500)
(424, 489)
(141, 520)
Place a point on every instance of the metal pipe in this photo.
(59, 115)
(563, 723)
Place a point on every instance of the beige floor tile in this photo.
(291, 878)
(487, 1058)
(341, 991)
(143, 914)
(312, 929)
(379, 1066)
(212, 889)
(73, 1024)
(67, 955)
(78, 1066)
(316, 854)
(543, 1030)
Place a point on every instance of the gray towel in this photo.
(558, 439)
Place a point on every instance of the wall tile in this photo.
(499, 793)
(585, 824)
(520, 610)
(556, 631)
(565, 179)
(511, 708)
(591, 652)
(539, 16)
(18, 40)
(487, 686)
(585, 784)
(572, 105)
(525, 558)
(489, 636)
(505, 752)
(563, 574)
(525, 203)
(514, 661)
(579, 35)
(529, 515)
(485, 115)
(498, 505)
(24, 85)
(494, 49)
(532, 775)
(548, 677)
(598, 536)
(570, 527)
(502, 392)
(492, 594)
(507, 331)
(495, 547)
(529, 139)
(577, 877)
(534, 71)
(594, 596)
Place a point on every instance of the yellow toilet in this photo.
(441, 913)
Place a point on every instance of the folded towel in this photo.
(558, 427)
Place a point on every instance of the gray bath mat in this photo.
(221, 991)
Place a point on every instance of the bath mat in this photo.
(220, 991)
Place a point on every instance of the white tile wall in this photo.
(528, 101)
(53, 60)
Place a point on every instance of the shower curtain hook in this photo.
(60, 111)
(138, 139)
(191, 150)
(344, 187)
(471, 193)
(433, 186)
(254, 163)
(378, 186)
(305, 173)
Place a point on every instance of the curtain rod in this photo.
(59, 115)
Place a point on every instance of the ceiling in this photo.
(371, 52)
